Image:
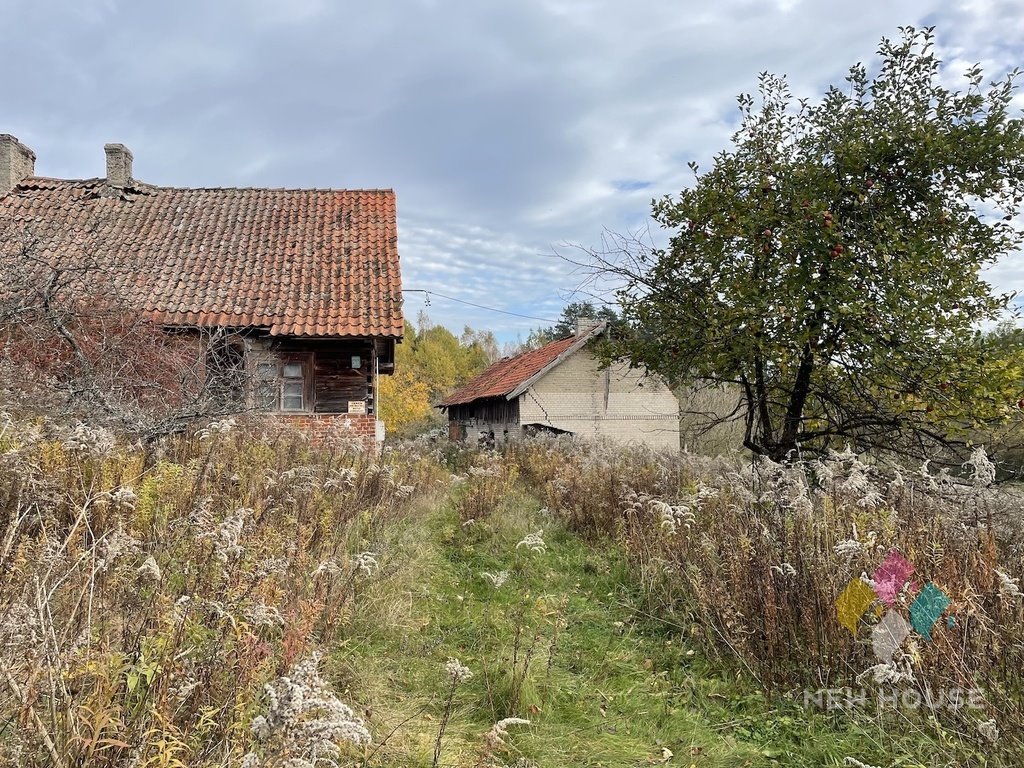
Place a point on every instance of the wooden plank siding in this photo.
(336, 382)
(496, 410)
(331, 381)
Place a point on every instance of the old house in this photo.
(562, 388)
(302, 285)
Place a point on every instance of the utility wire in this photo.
(478, 306)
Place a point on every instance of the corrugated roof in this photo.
(505, 376)
(299, 262)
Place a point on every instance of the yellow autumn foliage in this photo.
(429, 364)
(404, 401)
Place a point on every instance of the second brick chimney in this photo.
(119, 165)
(585, 325)
(17, 163)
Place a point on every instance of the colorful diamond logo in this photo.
(889, 581)
(890, 577)
(852, 604)
(927, 608)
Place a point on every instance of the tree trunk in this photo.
(787, 443)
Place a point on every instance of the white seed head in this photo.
(534, 542)
(457, 671)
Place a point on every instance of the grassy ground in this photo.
(144, 604)
(563, 643)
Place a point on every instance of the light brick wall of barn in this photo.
(617, 403)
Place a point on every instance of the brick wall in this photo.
(619, 403)
(16, 162)
(323, 427)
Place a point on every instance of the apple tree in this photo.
(829, 266)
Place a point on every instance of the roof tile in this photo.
(504, 376)
(269, 258)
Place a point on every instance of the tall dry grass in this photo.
(155, 607)
(169, 607)
(751, 557)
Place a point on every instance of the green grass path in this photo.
(561, 643)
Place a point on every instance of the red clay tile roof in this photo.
(298, 262)
(506, 375)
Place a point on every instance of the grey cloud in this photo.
(506, 129)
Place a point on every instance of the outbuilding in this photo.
(563, 388)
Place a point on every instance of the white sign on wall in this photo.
(357, 406)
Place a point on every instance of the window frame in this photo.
(279, 383)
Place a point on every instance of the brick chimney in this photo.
(119, 165)
(585, 325)
(17, 163)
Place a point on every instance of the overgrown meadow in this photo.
(239, 597)
(168, 608)
(751, 557)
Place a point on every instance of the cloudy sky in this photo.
(508, 129)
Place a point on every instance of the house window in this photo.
(293, 387)
(281, 385)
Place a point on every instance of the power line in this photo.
(428, 294)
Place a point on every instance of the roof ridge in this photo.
(99, 179)
(274, 189)
(541, 348)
